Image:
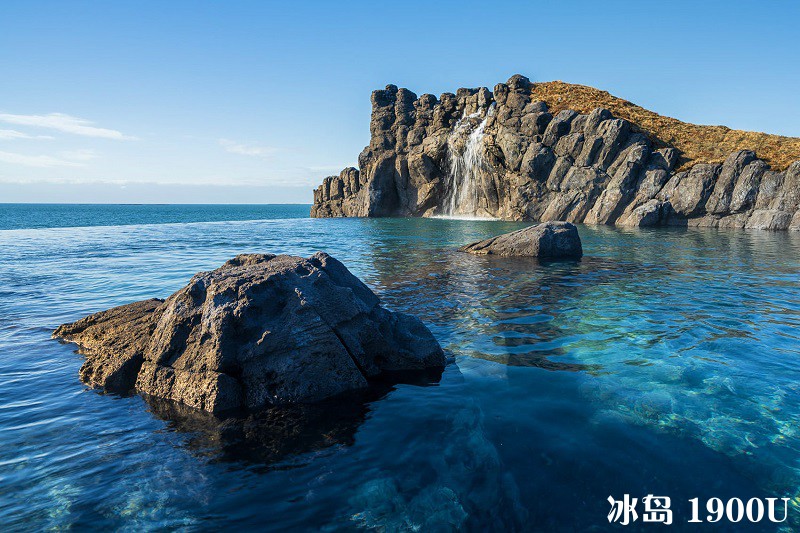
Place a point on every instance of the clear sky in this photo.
(255, 102)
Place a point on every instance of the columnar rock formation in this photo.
(503, 154)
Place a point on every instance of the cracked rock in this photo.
(260, 330)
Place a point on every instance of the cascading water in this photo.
(467, 167)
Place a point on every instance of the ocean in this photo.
(665, 362)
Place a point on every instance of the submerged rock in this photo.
(550, 240)
(260, 330)
(458, 483)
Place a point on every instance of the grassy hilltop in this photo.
(698, 144)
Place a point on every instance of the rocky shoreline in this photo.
(503, 154)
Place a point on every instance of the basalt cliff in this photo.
(557, 151)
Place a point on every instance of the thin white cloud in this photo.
(79, 155)
(6, 135)
(40, 161)
(246, 149)
(65, 123)
(72, 158)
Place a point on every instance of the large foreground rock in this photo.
(549, 240)
(260, 330)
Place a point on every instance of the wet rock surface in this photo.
(530, 164)
(548, 240)
(261, 330)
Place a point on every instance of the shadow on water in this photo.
(279, 437)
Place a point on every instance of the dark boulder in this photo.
(548, 240)
(260, 330)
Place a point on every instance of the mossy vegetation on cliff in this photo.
(697, 143)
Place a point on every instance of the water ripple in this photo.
(671, 352)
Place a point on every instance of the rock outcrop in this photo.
(504, 154)
(548, 240)
(260, 330)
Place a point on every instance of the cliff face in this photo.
(504, 154)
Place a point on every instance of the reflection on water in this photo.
(278, 435)
(272, 436)
(665, 361)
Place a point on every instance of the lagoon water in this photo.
(666, 362)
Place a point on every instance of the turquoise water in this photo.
(665, 362)
(26, 216)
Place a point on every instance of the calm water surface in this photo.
(664, 362)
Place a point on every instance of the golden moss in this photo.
(697, 144)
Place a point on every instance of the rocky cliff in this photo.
(555, 151)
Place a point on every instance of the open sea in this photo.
(665, 362)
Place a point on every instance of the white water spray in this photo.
(467, 167)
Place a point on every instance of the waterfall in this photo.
(467, 167)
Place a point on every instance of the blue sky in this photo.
(257, 101)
